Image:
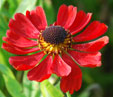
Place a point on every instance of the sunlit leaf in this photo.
(85, 94)
(12, 6)
(6, 71)
(1, 94)
(40, 3)
(1, 3)
(12, 85)
(26, 5)
(48, 90)
(31, 88)
(3, 22)
(68, 94)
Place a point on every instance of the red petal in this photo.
(17, 50)
(94, 30)
(87, 59)
(38, 18)
(74, 80)
(42, 71)
(18, 40)
(59, 67)
(66, 16)
(82, 19)
(23, 26)
(92, 46)
(25, 62)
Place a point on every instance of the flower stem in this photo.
(68, 94)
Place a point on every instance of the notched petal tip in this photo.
(25, 62)
(42, 71)
(59, 67)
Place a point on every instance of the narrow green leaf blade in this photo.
(31, 88)
(12, 85)
(12, 6)
(68, 94)
(48, 90)
(49, 10)
(26, 5)
(6, 71)
(1, 3)
(1, 94)
(84, 94)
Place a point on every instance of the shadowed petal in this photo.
(73, 81)
(23, 26)
(94, 30)
(18, 40)
(17, 50)
(59, 67)
(25, 62)
(42, 71)
(87, 59)
(38, 18)
(92, 46)
(81, 20)
(66, 16)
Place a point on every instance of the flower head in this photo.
(64, 50)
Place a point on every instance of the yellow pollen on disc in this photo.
(49, 48)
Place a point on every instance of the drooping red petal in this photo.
(38, 18)
(92, 46)
(66, 16)
(73, 81)
(94, 30)
(18, 40)
(17, 50)
(59, 67)
(87, 59)
(25, 62)
(42, 71)
(81, 20)
(23, 26)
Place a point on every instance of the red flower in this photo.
(58, 41)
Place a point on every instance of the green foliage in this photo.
(48, 7)
(26, 5)
(48, 90)
(31, 88)
(12, 85)
(2, 3)
(1, 94)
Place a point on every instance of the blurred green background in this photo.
(97, 82)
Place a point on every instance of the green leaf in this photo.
(1, 94)
(39, 3)
(1, 82)
(3, 22)
(49, 10)
(48, 90)
(93, 89)
(84, 94)
(26, 5)
(12, 6)
(1, 3)
(69, 95)
(31, 88)
(6, 71)
(12, 85)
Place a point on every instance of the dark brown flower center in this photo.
(54, 34)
